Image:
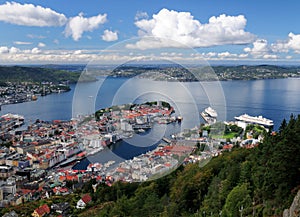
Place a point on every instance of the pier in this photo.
(166, 140)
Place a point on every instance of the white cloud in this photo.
(76, 26)
(41, 44)
(76, 52)
(170, 28)
(36, 50)
(30, 15)
(37, 56)
(4, 50)
(270, 56)
(226, 55)
(56, 41)
(243, 55)
(109, 35)
(35, 36)
(22, 42)
(292, 43)
(141, 15)
(14, 50)
(260, 49)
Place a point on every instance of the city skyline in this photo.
(39, 32)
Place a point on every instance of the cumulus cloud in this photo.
(4, 50)
(292, 43)
(76, 26)
(36, 50)
(14, 50)
(77, 52)
(109, 35)
(40, 44)
(30, 15)
(261, 49)
(169, 28)
(36, 55)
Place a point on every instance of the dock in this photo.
(166, 140)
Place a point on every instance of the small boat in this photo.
(33, 97)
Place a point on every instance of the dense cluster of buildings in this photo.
(11, 93)
(37, 162)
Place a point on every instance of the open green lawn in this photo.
(230, 135)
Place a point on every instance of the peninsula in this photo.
(22, 84)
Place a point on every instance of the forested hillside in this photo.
(36, 74)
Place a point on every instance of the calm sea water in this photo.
(275, 99)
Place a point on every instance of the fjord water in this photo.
(275, 99)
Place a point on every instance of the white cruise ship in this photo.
(245, 119)
(211, 112)
(209, 115)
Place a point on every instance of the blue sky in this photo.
(72, 31)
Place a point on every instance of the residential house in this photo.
(61, 208)
(81, 204)
(6, 171)
(41, 211)
(11, 214)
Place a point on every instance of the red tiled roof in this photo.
(42, 210)
(26, 191)
(46, 208)
(63, 190)
(86, 198)
(99, 178)
(227, 146)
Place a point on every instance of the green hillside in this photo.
(35, 74)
